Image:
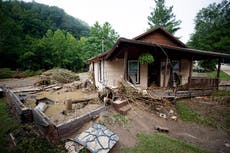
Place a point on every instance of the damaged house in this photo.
(171, 65)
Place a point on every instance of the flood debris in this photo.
(162, 115)
(161, 129)
(41, 107)
(12, 138)
(143, 98)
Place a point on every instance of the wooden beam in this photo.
(218, 73)
(126, 65)
(165, 72)
(190, 73)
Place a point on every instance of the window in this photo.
(99, 72)
(134, 71)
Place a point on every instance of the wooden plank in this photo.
(190, 73)
(218, 74)
(165, 72)
(125, 65)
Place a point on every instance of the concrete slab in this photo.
(98, 139)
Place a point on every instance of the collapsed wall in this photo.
(46, 126)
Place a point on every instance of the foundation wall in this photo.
(23, 113)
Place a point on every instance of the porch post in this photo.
(218, 73)
(165, 72)
(190, 73)
(125, 65)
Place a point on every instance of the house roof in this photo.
(160, 29)
(110, 54)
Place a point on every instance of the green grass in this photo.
(8, 73)
(187, 114)
(159, 143)
(223, 76)
(27, 136)
(7, 124)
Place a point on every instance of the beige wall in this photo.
(113, 74)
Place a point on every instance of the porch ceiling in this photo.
(136, 47)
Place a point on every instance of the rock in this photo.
(173, 117)
(171, 112)
(144, 92)
(163, 115)
(41, 107)
(227, 145)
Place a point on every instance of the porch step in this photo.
(124, 110)
(119, 103)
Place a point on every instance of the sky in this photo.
(129, 17)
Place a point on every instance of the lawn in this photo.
(187, 114)
(27, 136)
(223, 76)
(159, 143)
(210, 111)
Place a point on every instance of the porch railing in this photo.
(203, 83)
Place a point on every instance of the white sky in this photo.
(129, 17)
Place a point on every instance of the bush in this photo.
(6, 73)
(146, 58)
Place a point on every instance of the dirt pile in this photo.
(57, 75)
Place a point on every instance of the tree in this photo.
(212, 30)
(101, 39)
(164, 17)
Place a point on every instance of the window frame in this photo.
(138, 70)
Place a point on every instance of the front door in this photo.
(154, 74)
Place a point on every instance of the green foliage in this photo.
(208, 65)
(212, 28)
(102, 38)
(223, 76)
(7, 124)
(146, 58)
(22, 29)
(164, 17)
(120, 119)
(159, 143)
(27, 136)
(187, 114)
(8, 73)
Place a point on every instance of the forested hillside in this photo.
(25, 36)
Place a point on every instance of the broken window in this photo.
(134, 71)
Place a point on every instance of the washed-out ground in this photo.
(140, 120)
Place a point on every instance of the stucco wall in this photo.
(113, 74)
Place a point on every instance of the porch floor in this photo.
(170, 94)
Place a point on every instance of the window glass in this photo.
(133, 72)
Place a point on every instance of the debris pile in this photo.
(163, 107)
(57, 75)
